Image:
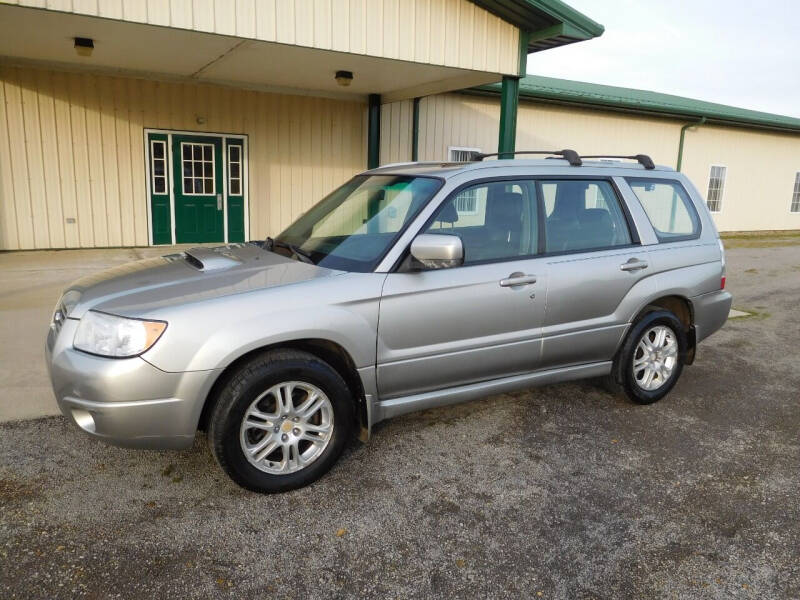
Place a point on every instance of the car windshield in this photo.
(353, 227)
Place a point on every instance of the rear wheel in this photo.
(281, 421)
(651, 360)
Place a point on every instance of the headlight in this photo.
(109, 335)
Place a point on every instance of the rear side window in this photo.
(582, 215)
(668, 207)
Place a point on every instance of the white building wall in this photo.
(761, 165)
(71, 147)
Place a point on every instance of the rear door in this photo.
(481, 321)
(594, 259)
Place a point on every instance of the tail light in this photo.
(722, 260)
(722, 283)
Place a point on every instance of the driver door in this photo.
(447, 327)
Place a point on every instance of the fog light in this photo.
(83, 419)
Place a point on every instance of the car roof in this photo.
(448, 169)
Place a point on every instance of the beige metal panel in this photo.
(8, 208)
(454, 33)
(72, 148)
(761, 170)
(396, 124)
(457, 120)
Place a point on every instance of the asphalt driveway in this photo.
(559, 492)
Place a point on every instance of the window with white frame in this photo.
(716, 185)
(235, 170)
(467, 202)
(796, 194)
(158, 166)
(198, 168)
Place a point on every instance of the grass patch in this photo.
(753, 314)
(761, 239)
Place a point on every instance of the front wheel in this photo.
(281, 421)
(651, 359)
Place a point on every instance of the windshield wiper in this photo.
(301, 254)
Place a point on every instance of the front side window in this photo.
(495, 220)
(353, 227)
(668, 207)
(716, 185)
(796, 194)
(582, 215)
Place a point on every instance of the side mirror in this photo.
(435, 251)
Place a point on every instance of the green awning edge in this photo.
(551, 23)
(578, 93)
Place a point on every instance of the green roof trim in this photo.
(551, 23)
(564, 91)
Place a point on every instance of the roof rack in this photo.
(642, 159)
(570, 155)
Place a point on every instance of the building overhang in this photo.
(46, 37)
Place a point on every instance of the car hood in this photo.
(139, 287)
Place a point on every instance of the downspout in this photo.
(415, 131)
(683, 135)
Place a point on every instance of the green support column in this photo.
(509, 101)
(374, 131)
(415, 131)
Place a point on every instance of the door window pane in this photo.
(234, 170)
(716, 185)
(158, 167)
(495, 220)
(583, 215)
(198, 168)
(668, 207)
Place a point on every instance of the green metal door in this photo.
(198, 189)
(160, 209)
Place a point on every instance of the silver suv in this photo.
(409, 287)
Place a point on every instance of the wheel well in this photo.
(681, 308)
(677, 305)
(331, 352)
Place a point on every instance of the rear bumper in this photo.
(710, 312)
(125, 402)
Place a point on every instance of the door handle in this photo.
(633, 264)
(219, 201)
(516, 279)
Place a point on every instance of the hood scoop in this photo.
(211, 259)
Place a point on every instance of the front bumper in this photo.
(125, 402)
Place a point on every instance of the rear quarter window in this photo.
(669, 208)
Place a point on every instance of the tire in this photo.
(252, 414)
(664, 364)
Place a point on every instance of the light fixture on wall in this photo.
(344, 78)
(84, 46)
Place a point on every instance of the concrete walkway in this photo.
(30, 285)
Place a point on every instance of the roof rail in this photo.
(642, 159)
(570, 155)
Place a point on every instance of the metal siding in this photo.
(455, 33)
(761, 168)
(472, 121)
(72, 146)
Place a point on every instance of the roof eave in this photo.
(639, 109)
(550, 23)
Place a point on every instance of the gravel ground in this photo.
(560, 492)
